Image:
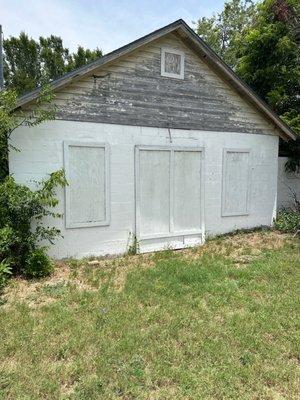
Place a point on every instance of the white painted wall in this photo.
(42, 152)
(286, 182)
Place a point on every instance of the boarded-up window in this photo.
(236, 182)
(169, 199)
(172, 63)
(87, 195)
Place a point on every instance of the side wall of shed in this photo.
(42, 153)
(288, 183)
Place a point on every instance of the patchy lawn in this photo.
(219, 321)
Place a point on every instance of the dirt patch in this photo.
(73, 273)
(38, 292)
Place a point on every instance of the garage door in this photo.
(169, 197)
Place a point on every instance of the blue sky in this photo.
(106, 24)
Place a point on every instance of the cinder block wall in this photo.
(42, 153)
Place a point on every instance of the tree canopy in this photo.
(29, 63)
(224, 31)
(261, 43)
(270, 58)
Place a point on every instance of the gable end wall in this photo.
(131, 91)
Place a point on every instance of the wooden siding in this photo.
(131, 91)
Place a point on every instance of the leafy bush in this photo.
(5, 272)
(38, 264)
(288, 221)
(22, 211)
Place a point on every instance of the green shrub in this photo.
(288, 221)
(7, 242)
(5, 272)
(38, 264)
(22, 213)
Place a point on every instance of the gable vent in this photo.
(172, 63)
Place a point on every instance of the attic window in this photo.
(172, 63)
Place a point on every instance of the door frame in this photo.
(173, 234)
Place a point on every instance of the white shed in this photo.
(161, 141)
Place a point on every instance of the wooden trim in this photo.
(202, 194)
(163, 72)
(172, 192)
(173, 234)
(66, 144)
(137, 192)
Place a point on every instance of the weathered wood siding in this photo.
(132, 91)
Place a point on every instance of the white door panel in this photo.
(154, 191)
(169, 197)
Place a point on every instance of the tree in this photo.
(270, 58)
(29, 64)
(224, 31)
(82, 57)
(54, 57)
(22, 66)
(262, 43)
(270, 63)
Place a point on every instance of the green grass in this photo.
(216, 322)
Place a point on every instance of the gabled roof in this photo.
(187, 34)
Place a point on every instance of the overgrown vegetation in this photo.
(22, 217)
(269, 59)
(288, 221)
(21, 209)
(220, 321)
(5, 269)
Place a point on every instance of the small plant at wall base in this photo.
(133, 246)
(22, 212)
